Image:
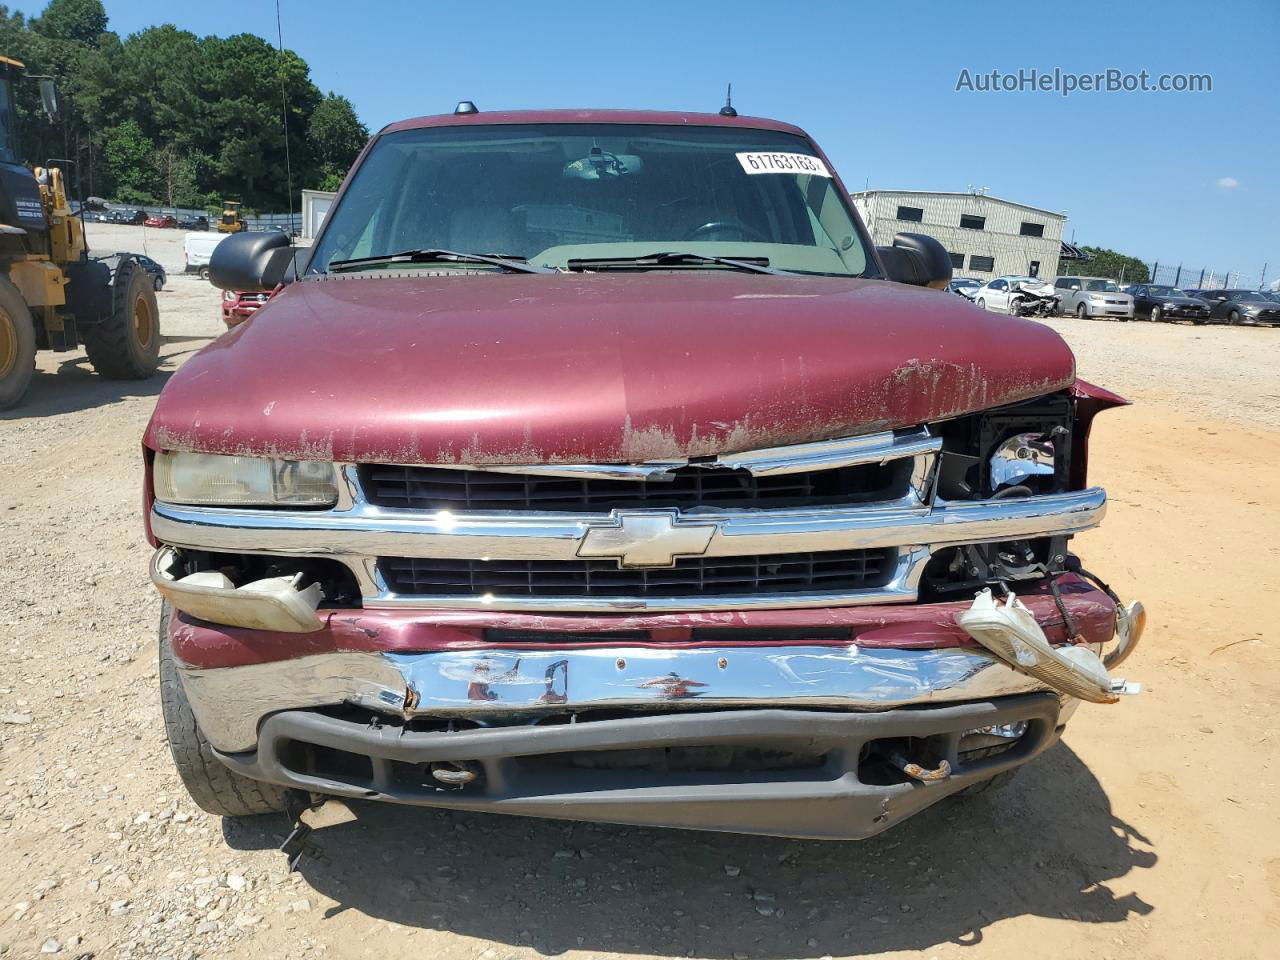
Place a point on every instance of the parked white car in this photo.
(1016, 296)
(1093, 297)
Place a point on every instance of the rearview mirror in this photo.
(252, 261)
(918, 260)
(49, 98)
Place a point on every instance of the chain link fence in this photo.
(1208, 278)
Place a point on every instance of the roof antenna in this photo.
(284, 116)
(727, 110)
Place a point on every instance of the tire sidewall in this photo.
(132, 283)
(15, 383)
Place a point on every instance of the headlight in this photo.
(207, 479)
(1021, 457)
(1096, 297)
(229, 295)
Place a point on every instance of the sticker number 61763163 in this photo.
(783, 163)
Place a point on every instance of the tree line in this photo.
(165, 117)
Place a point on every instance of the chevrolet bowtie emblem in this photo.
(646, 539)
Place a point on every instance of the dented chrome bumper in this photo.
(506, 685)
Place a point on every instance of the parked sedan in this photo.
(1157, 302)
(1092, 297)
(161, 220)
(1242, 306)
(134, 217)
(965, 286)
(158, 276)
(193, 223)
(1014, 295)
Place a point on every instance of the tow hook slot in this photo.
(895, 754)
(1011, 632)
(458, 773)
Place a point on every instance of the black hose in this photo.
(1018, 491)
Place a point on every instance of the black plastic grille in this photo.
(438, 488)
(833, 571)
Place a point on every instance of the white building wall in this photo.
(1000, 238)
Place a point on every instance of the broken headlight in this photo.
(214, 480)
(1022, 457)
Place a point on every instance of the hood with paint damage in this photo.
(502, 368)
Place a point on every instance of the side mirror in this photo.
(49, 98)
(918, 260)
(252, 261)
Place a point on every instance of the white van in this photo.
(197, 248)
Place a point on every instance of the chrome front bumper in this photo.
(508, 685)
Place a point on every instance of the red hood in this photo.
(499, 368)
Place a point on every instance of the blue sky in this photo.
(1190, 177)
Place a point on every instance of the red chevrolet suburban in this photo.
(596, 465)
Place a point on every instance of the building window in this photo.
(1035, 268)
(1032, 229)
(973, 223)
(913, 214)
(982, 264)
(957, 261)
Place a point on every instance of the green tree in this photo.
(128, 154)
(1117, 266)
(76, 21)
(336, 136)
(215, 113)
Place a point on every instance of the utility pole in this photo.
(1262, 280)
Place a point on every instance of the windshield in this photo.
(552, 193)
(1107, 286)
(1165, 292)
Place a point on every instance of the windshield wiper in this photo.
(511, 263)
(675, 259)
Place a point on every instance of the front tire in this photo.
(157, 283)
(213, 787)
(126, 344)
(17, 345)
(1233, 317)
(204, 273)
(1082, 311)
(1013, 307)
(1156, 315)
(982, 303)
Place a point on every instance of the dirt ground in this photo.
(1151, 831)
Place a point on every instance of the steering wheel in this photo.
(745, 231)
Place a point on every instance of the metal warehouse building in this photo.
(986, 236)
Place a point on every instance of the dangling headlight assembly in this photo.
(214, 480)
(1021, 457)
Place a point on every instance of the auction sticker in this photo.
(782, 163)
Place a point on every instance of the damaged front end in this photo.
(1033, 298)
(801, 641)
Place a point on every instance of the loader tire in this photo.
(17, 345)
(213, 787)
(126, 344)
